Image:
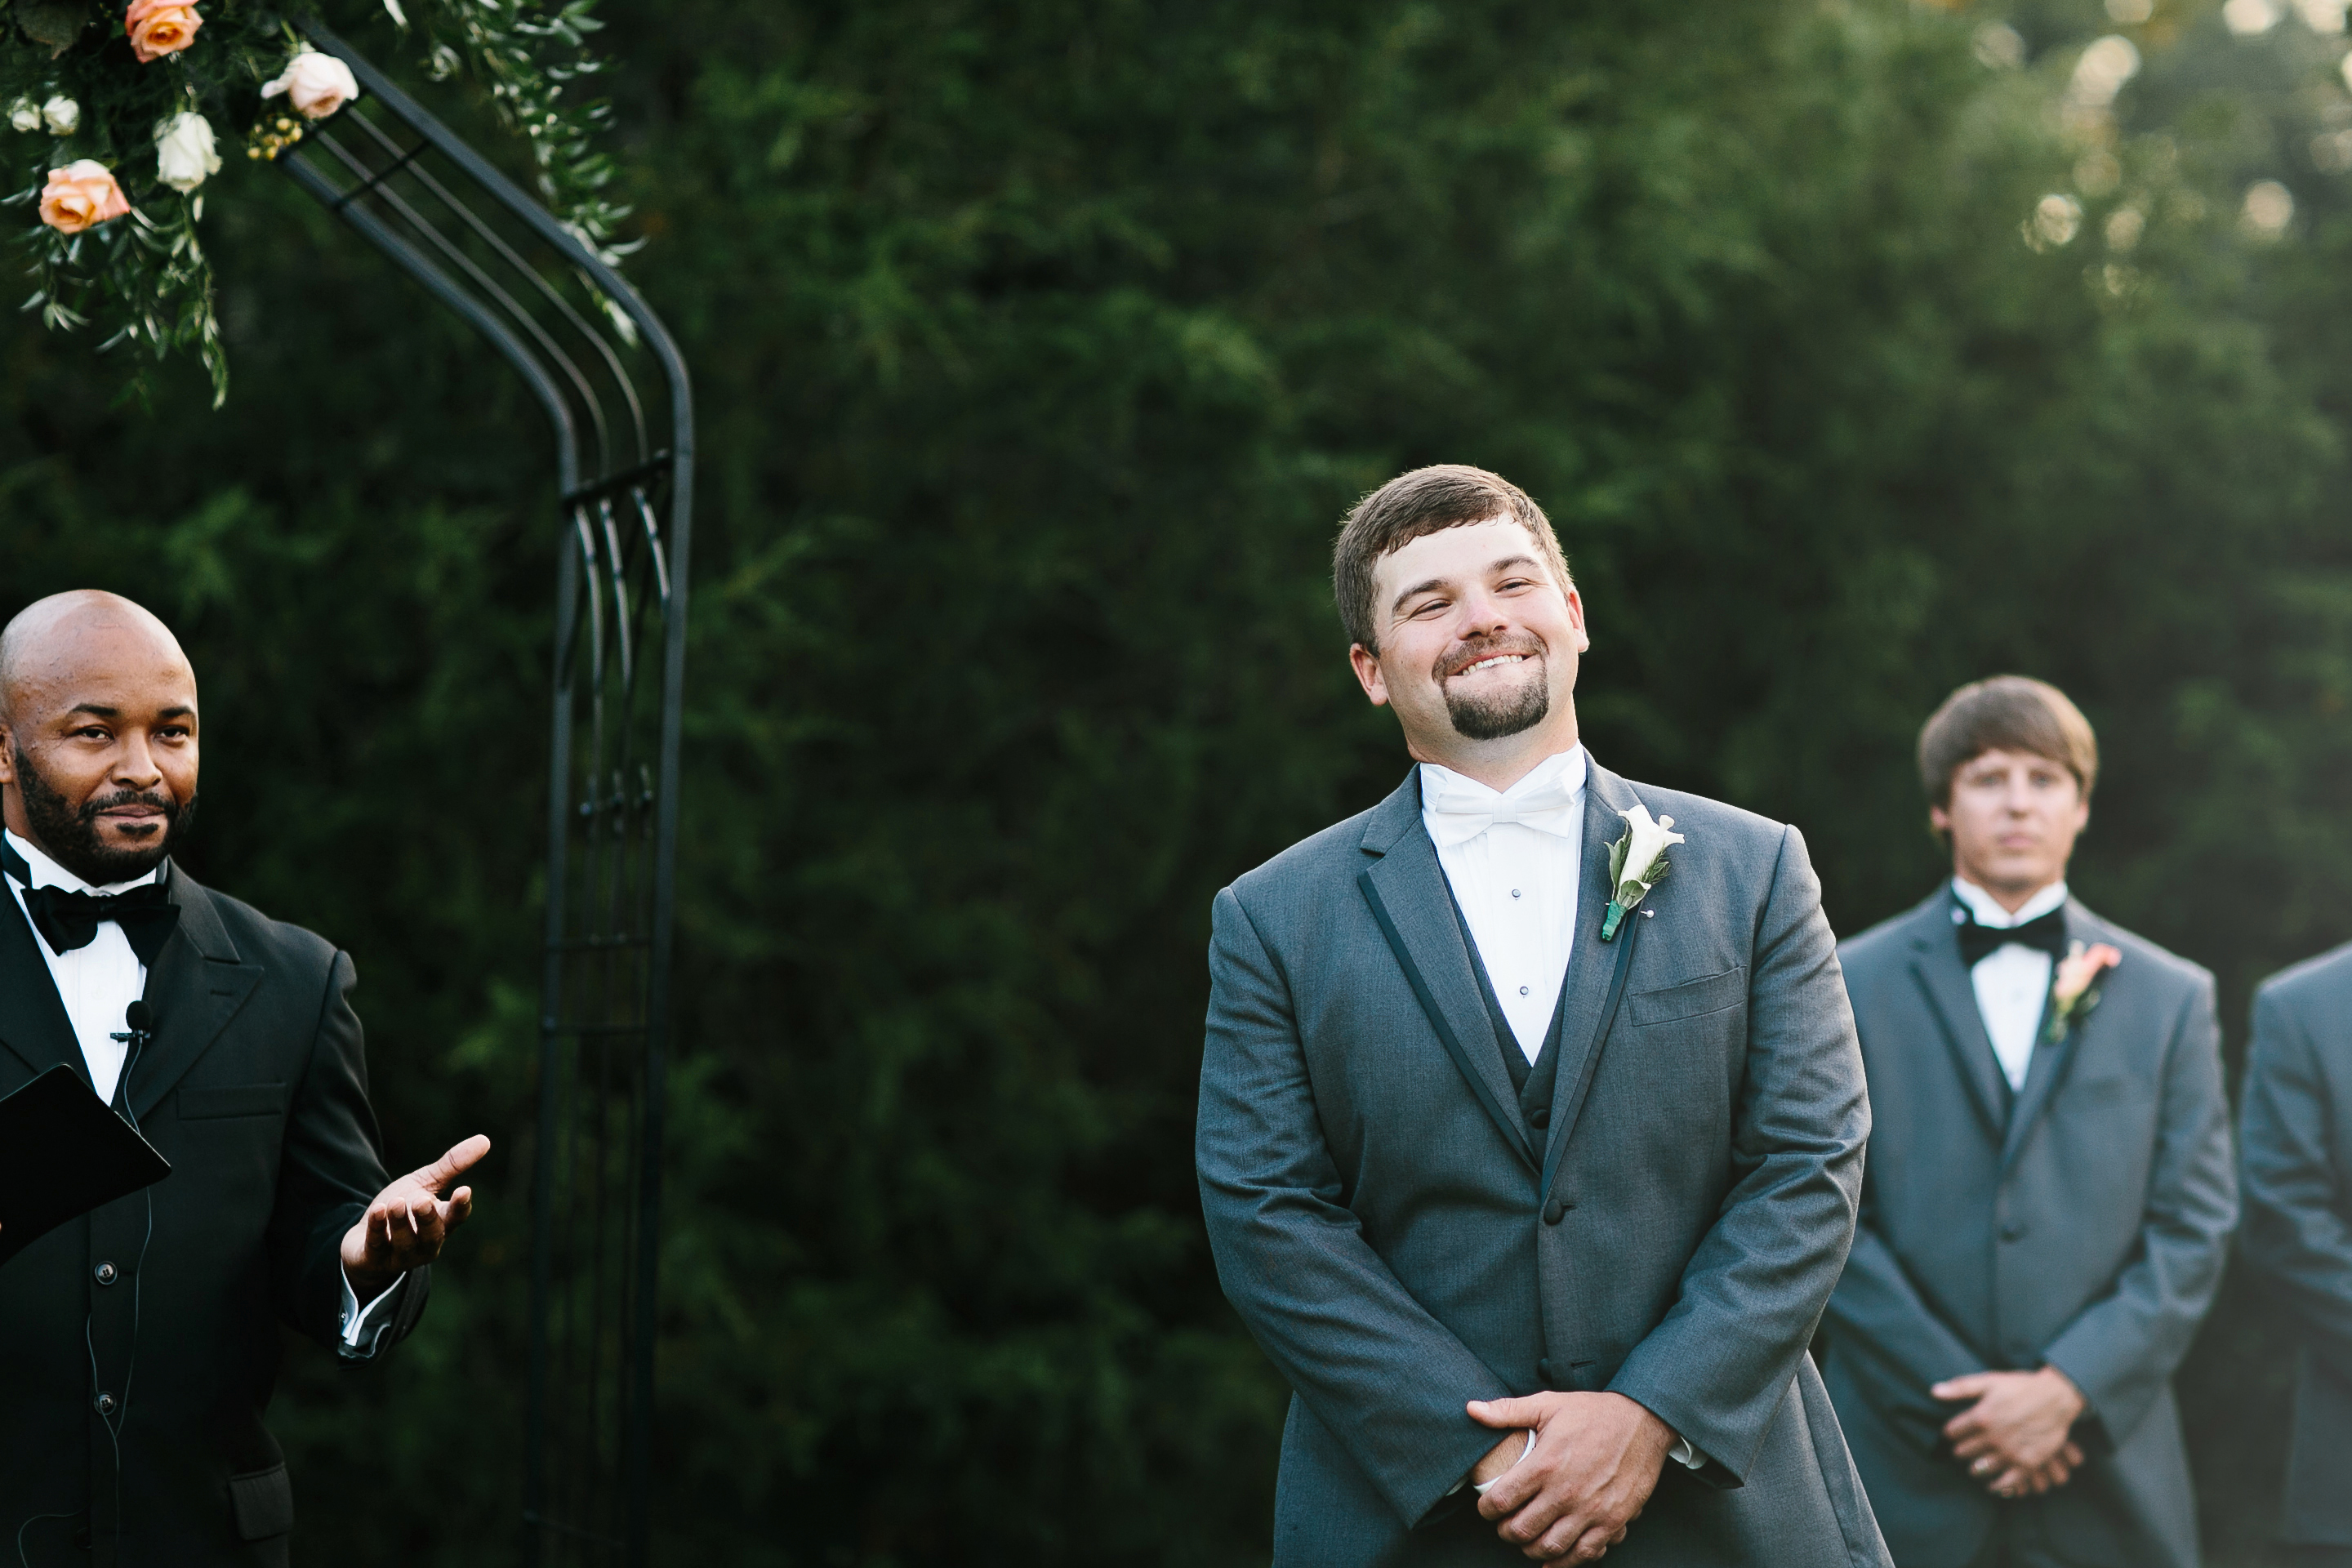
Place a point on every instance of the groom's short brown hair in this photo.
(2007, 713)
(1424, 501)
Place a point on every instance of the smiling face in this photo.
(98, 735)
(2013, 817)
(1478, 649)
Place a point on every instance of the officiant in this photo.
(138, 1343)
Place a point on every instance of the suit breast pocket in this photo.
(1691, 999)
(224, 1101)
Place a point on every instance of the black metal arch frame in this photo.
(573, 329)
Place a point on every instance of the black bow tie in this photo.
(2047, 932)
(68, 922)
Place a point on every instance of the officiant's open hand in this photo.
(404, 1227)
(1595, 1462)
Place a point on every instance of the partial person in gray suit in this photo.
(2297, 1158)
(1531, 1171)
(2049, 1194)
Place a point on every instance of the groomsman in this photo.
(2050, 1192)
(1530, 1165)
(2297, 1153)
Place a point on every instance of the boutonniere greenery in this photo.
(1637, 863)
(2075, 988)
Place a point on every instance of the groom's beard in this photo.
(1493, 715)
(70, 837)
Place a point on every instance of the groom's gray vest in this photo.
(1408, 1219)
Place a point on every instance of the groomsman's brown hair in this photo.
(1424, 501)
(2006, 713)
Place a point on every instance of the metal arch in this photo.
(446, 216)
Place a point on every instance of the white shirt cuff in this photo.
(1683, 1454)
(362, 1329)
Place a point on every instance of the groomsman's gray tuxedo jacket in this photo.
(2082, 1227)
(2297, 1149)
(1404, 1228)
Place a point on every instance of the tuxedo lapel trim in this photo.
(1952, 1001)
(1596, 970)
(197, 985)
(1414, 908)
(33, 1022)
(2052, 1061)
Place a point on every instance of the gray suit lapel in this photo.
(1411, 902)
(1596, 970)
(2052, 1061)
(1943, 979)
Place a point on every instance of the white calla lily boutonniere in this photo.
(1637, 863)
(2075, 988)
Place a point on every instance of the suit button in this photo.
(105, 1403)
(2013, 1231)
(1543, 1370)
(104, 1273)
(1540, 1118)
(1553, 1211)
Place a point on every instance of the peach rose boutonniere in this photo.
(2074, 989)
(82, 196)
(160, 28)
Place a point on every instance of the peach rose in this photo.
(160, 28)
(81, 196)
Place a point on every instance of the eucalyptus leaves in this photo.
(114, 106)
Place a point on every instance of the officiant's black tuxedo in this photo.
(255, 1089)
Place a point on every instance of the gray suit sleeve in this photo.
(2295, 1201)
(1717, 1368)
(1385, 1377)
(2122, 1348)
(1878, 1310)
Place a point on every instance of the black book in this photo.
(63, 1154)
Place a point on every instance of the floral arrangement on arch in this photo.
(123, 112)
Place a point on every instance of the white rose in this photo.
(25, 115)
(62, 115)
(184, 155)
(316, 84)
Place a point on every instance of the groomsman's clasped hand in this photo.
(1596, 1459)
(2014, 1435)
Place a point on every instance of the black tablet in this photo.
(63, 1154)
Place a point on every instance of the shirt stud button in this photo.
(1523, 990)
(1515, 892)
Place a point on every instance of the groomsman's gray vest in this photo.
(1534, 1081)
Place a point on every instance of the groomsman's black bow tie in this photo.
(2047, 932)
(68, 921)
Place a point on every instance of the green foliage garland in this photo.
(75, 91)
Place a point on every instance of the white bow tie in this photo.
(1457, 817)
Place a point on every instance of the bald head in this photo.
(98, 712)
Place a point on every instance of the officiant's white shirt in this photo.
(2013, 980)
(1515, 879)
(98, 984)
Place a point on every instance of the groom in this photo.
(1534, 1201)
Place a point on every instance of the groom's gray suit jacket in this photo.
(2297, 1150)
(2084, 1227)
(1402, 1235)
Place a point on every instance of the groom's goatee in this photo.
(70, 835)
(1493, 715)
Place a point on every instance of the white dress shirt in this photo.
(1514, 859)
(2012, 982)
(98, 984)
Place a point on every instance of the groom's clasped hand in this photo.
(1570, 1497)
